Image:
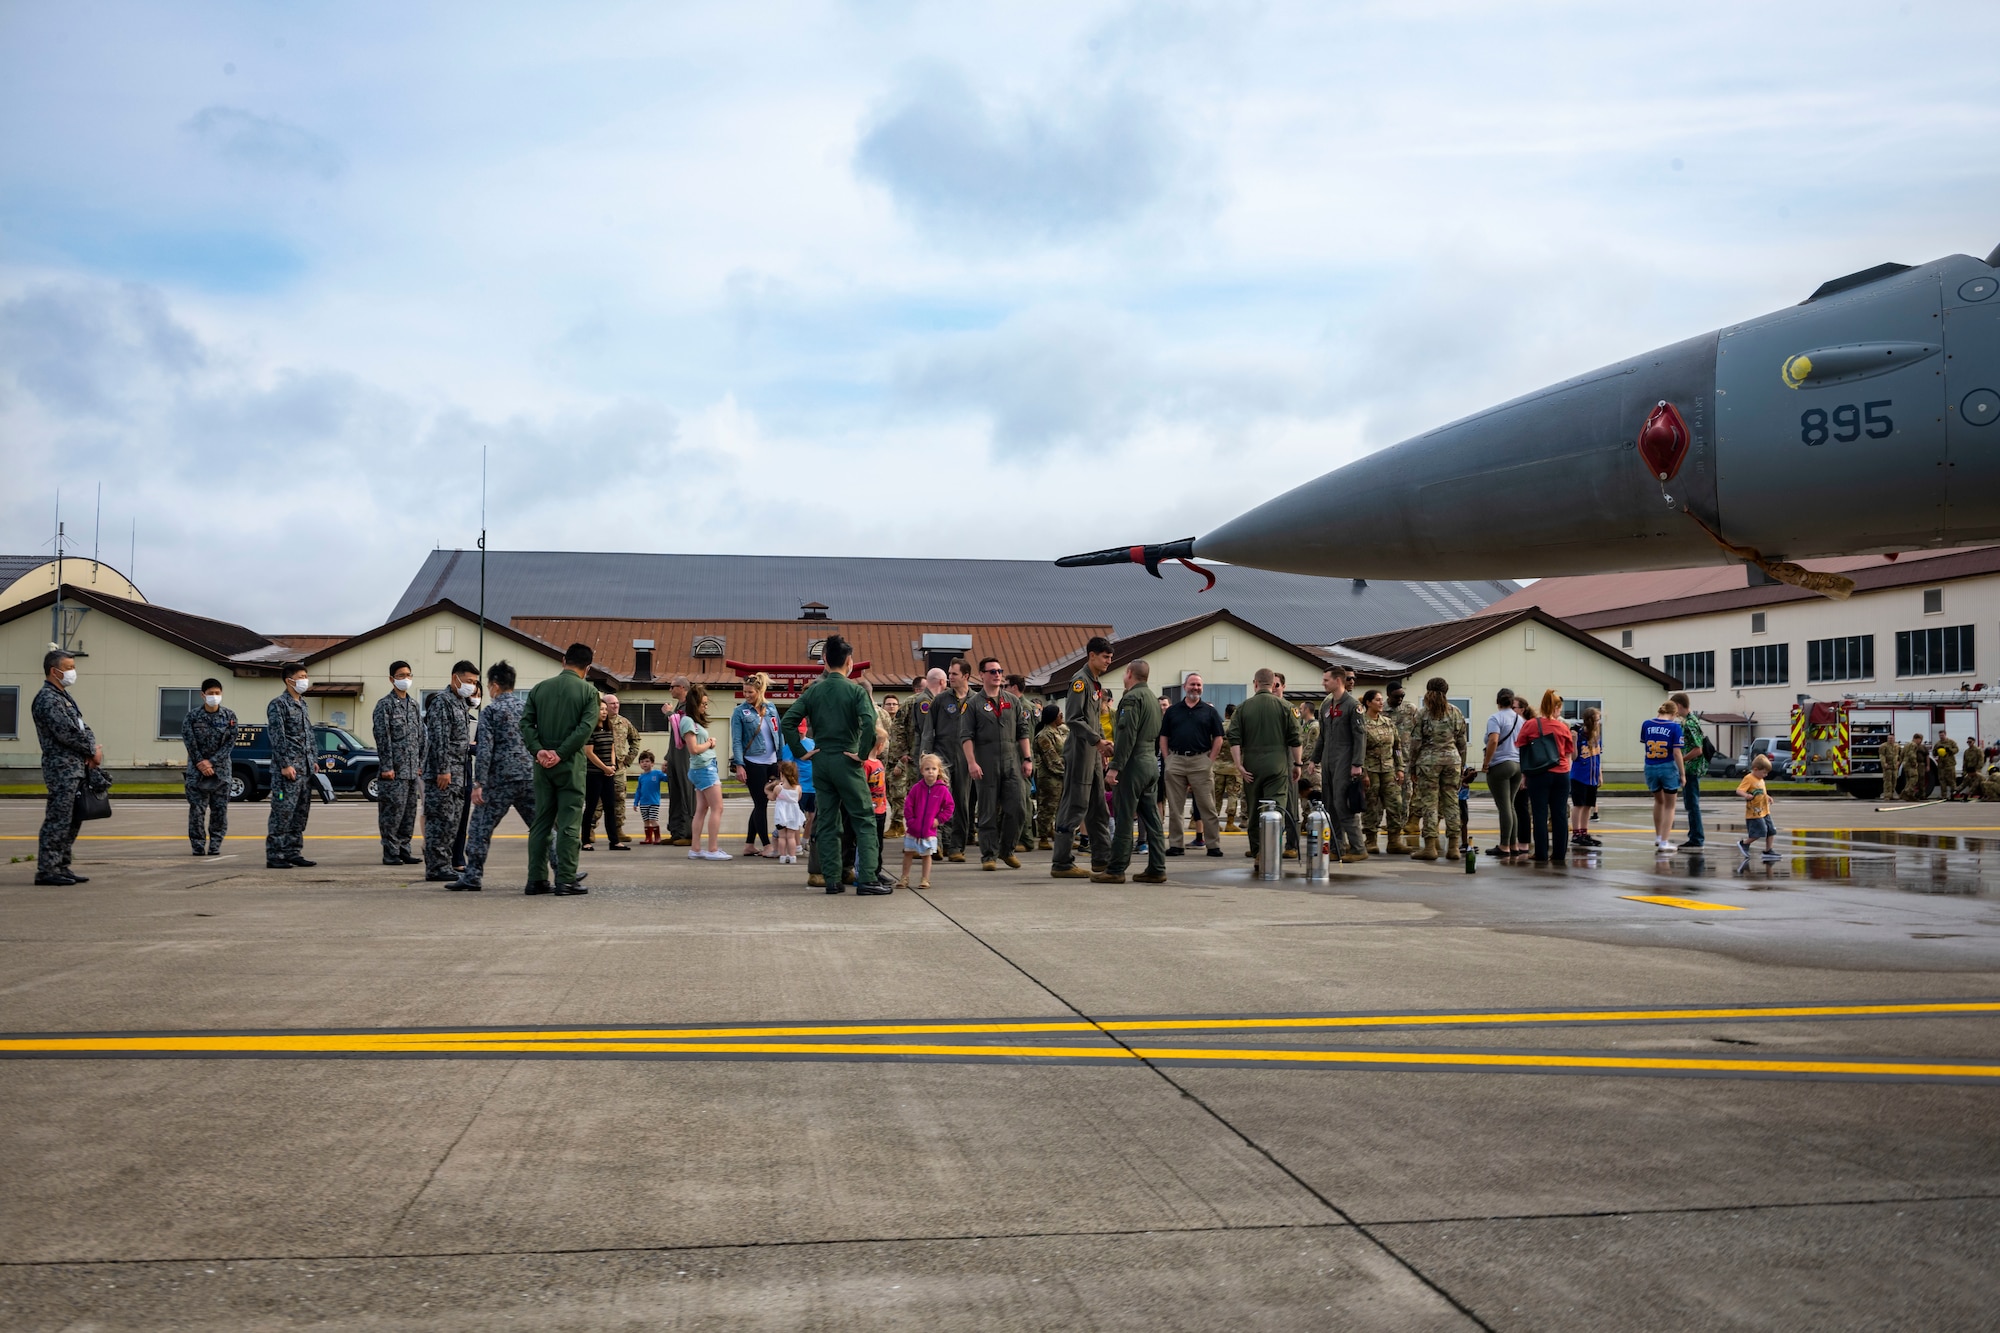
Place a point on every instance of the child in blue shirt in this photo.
(647, 799)
(1660, 741)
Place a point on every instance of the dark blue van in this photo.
(342, 760)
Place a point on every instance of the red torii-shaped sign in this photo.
(788, 680)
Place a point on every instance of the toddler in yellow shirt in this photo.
(1757, 809)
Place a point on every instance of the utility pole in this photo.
(482, 561)
(56, 629)
(97, 529)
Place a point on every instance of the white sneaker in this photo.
(1667, 847)
(694, 854)
(717, 856)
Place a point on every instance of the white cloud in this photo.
(265, 143)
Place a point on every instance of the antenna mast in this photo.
(482, 559)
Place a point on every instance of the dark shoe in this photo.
(1176, 851)
(1068, 872)
(75, 878)
(539, 886)
(201, 851)
(1559, 861)
(1215, 851)
(835, 888)
(877, 889)
(1200, 841)
(1150, 878)
(569, 890)
(440, 877)
(621, 846)
(408, 860)
(302, 863)
(1106, 877)
(463, 886)
(581, 876)
(392, 860)
(56, 881)
(587, 847)
(276, 865)
(214, 851)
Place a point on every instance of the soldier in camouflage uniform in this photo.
(291, 735)
(1439, 739)
(1945, 754)
(624, 750)
(209, 733)
(1890, 755)
(1975, 762)
(503, 774)
(1385, 772)
(1404, 714)
(894, 773)
(399, 741)
(1228, 781)
(1916, 768)
(69, 751)
(1050, 742)
(447, 769)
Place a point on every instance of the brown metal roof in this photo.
(1587, 600)
(890, 647)
(303, 644)
(1420, 645)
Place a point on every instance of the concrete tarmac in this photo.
(1639, 1092)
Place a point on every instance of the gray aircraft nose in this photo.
(1547, 484)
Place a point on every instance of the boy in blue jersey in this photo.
(1660, 741)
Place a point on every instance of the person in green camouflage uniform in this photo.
(1916, 768)
(1439, 739)
(1385, 773)
(1974, 762)
(1228, 781)
(1404, 713)
(894, 772)
(1945, 755)
(1048, 747)
(1891, 756)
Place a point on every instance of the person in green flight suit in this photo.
(556, 723)
(843, 725)
(1083, 767)
(1134, 773)
(1264, 737)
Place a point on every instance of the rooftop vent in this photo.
(812, 611)
(708, 645)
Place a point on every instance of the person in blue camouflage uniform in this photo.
(69, 751)
(291, 734)
(447, 770)
(503, 773)
(209, 732)
(399, 740)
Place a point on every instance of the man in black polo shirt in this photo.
(1191, 733)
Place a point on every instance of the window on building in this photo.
(1695, 670)
(1933, 601)
(10, 713)
(1625, 638)
(1221, 696)
(1756, 622)
(1573, 709)
(1766, 664)
(647, 717)
(1462, 705)
(1851, 658)
(1934, 652)
(174, 706)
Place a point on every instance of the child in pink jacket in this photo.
(926, 807)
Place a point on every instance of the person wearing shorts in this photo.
(1586, 773)
(927, 808)
(1757, 822)
(1660, 739)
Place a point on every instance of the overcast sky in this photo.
(882, 278)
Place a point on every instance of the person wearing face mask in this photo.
(399, 740)
(291, 733)
(69, 751)
(209, 732)
(448, 772)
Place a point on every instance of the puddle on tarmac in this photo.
(1906, 862)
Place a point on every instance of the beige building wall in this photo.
(92, 574)
(118, 686)
(1531, 658)
(430, 645)
(1973, 601)
(1222, 654)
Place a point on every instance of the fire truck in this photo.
(1839, 740)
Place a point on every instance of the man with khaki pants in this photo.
(1191, 734)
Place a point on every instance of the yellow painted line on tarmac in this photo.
(1409, 1059)
(533, 1039)
(1690, 904)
